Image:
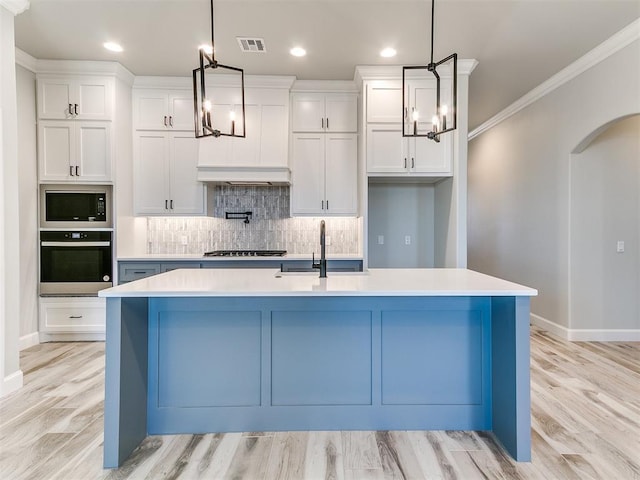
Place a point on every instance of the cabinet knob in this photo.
(75, 108)
(171, 204)
(322, 121)
(77, 174)
(171, 120)
(70, 109)
(166, 204)
(327, 129)
(165, 120)
(71, 170)
(405, 162)
(413, 163)
(322, 205)
(327, 204)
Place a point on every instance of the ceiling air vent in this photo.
(251, 45)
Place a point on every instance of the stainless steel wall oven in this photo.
(75, 262)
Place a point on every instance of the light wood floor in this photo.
(585, 419)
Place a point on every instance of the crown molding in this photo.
(79, 67)
(324, 86)
(393, 72)
(603, 51)
(250, 81)
(15, 6)
(27, 61)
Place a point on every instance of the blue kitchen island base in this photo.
(222, 364)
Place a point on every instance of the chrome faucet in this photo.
(322, 264)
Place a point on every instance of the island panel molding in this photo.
(451, 354)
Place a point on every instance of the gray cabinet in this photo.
(129, 271)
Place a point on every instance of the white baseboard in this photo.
(549, 326)
(11, 383)
(30, 340)
(586, 334)
(72, 337)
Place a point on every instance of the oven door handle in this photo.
(75, 244)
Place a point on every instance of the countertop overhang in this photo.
(267, 283)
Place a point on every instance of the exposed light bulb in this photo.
(232, 115)
(207, 105)
(112, 46)
(444, 110)
(415, 115)
(388, 52)
(435, 123)
(208, 49)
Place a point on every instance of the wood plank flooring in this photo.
(585, 425)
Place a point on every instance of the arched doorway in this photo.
(604, 250)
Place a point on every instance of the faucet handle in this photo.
(313, 261)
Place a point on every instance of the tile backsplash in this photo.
(270, 226)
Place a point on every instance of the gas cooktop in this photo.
(246, 253)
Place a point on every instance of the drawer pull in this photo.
(139, 273)
(75, 316)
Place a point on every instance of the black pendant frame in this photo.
(432, 67)
(202, 116)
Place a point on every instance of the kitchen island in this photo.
(196, 351)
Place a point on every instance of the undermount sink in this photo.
(315, 273)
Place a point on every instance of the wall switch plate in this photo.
(407, 239)
(620, 246)
(184, 240)
(380, 239)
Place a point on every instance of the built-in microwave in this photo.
(75, 206)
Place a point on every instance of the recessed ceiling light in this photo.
(388, 52)
(206, 49)
(114, 47)
(298, 52)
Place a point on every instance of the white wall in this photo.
(28, 200)
(396, 211)
(519, 180)
(131, 231)
(605, 209)
(10, 373)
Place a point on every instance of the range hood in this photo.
(244, 175)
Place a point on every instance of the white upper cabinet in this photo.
(74, 151)
(324, 174)
(324, 112)
(157, 109)
(388, 152)
(384, 101)
(75, 97)
(165, 174)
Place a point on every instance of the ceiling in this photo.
(518, 43)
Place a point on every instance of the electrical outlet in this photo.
(184, 240)
(620, 246)
(380, 239)
(407, 239)
(327, 240)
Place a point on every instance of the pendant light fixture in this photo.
(216, 114)
(412, 124)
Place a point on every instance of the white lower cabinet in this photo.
(165, 174)
(388, 152)
(72, 318)
(324, 174)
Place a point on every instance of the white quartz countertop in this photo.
(193, 257)
(267, 282)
